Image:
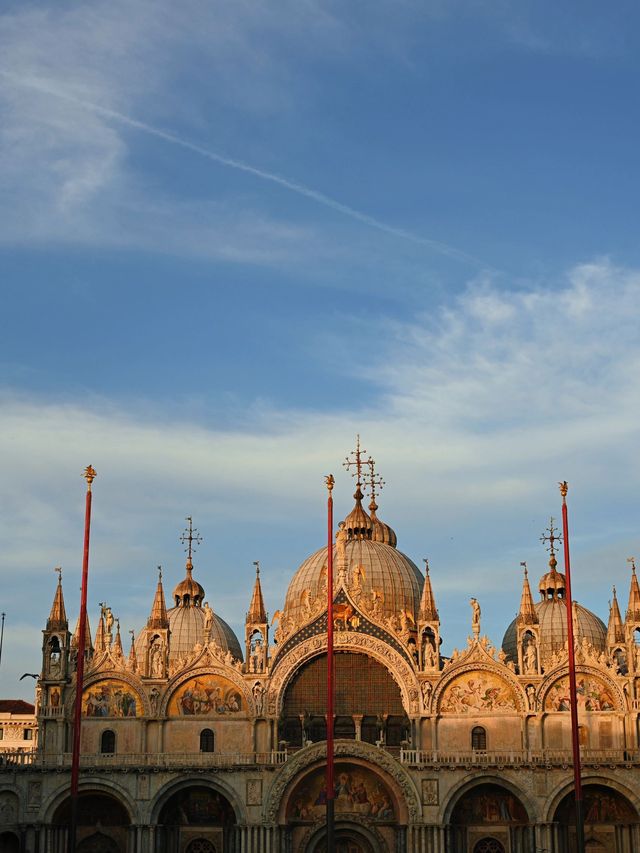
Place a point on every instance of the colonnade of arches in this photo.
(482, 816)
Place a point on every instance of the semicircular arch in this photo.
(185, 782)
(489, 672)
(594, 675)
(114, 675)
(593, 777)
(311, 757)
(477, 779)
(222, 672)
(346, 641)
(88, 785)
(315, 836)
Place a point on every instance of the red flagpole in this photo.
(89, 475)
(330, 685)
(575, 738)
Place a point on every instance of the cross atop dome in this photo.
(550, 536)
(357, 461)
(373, 481)
(188, 538)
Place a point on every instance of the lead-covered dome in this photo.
(186, 623)
(374, 565)
(552, 616)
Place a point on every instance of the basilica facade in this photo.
(196, 741)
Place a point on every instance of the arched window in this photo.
(206, 740)
(478, 739)
(108, 742)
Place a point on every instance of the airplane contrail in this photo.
(240, 165)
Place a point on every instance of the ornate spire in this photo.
(57, 620)
(87, 635)
(633, 609)
(257, 614)
(158, 617)
(527, 614)
(133, 658)
(101, 643)
(428, 611)
(615, 628)
(117, 643)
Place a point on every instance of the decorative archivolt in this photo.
(597, 691)
(478, 685)
(110, 678)
(376, 758)
(604, 777)
(227, 674)
(399, 669)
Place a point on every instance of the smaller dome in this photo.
(187, 628)
(381, 532)
(188, 591)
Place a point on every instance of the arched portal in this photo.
(489, 819)
(97, 843)
(197, 819)
(103, 823)
(367, 810)
(349, 838)
(607, 814)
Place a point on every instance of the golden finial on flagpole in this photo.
(564, 488)
(330, 481)
(89, 474)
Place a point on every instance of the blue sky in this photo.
(234, 235)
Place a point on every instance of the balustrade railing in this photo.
(134, 760)
(517, 758)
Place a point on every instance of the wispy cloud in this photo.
(68, 100)
(481, 410)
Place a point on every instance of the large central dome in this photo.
(373, 563)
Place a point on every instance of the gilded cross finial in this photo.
(524, 566)
(632, 560)
(373, 481)
(329, 482)
(189, 537)
(89, 474)
(358, 462)
(256, 563)
(550, 536)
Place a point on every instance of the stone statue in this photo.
(341, 542)
(531, 696)
(429, 655)
(258, 691)
(156, 662)
(154, 701)
(427, 690)
(108, 619)
(475, 617)
(530, 658)
(208, 617)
